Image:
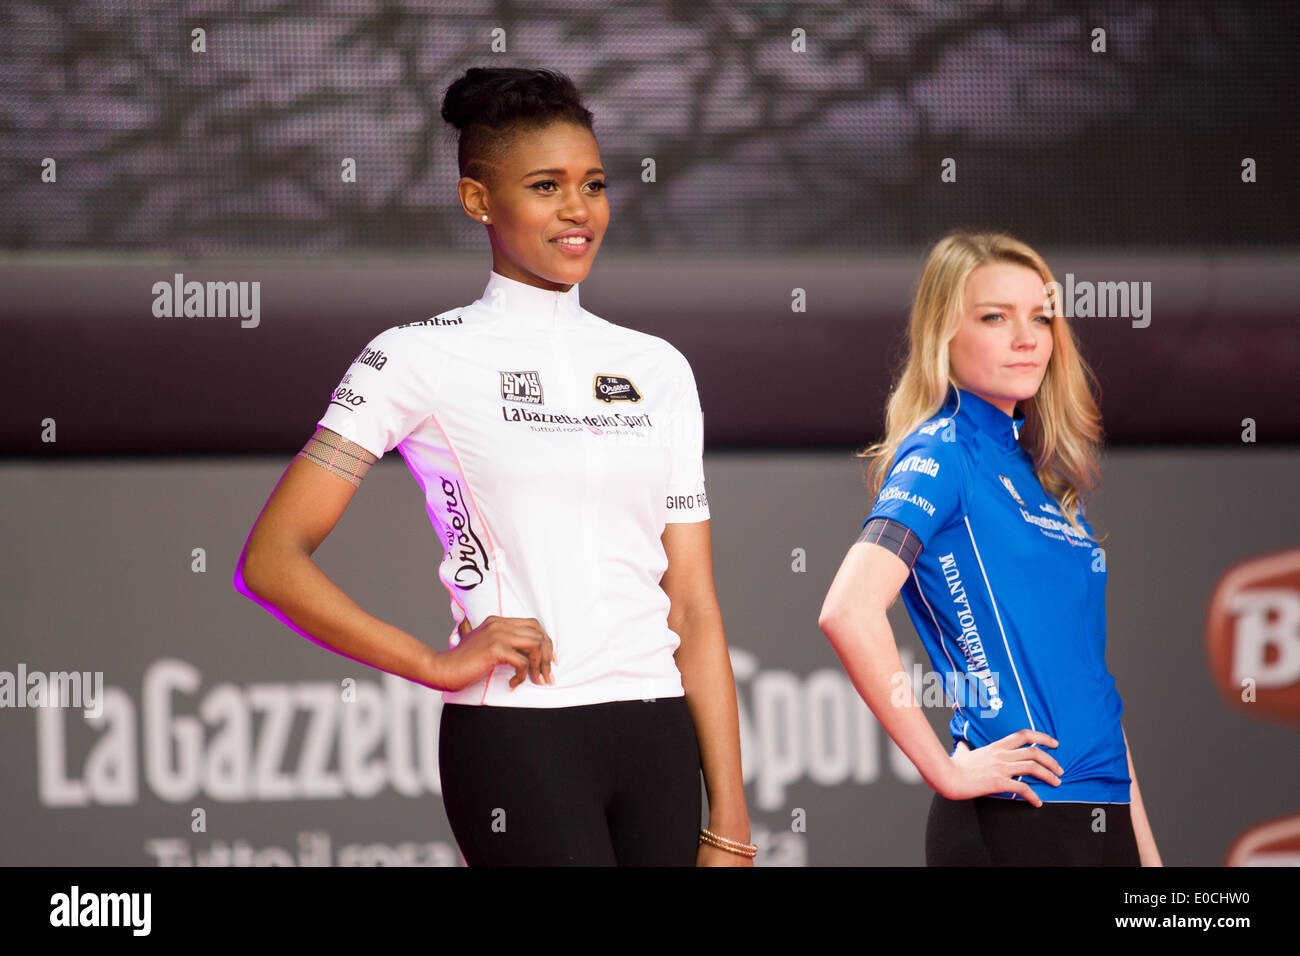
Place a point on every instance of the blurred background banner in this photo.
(773, 127)
(206, 213)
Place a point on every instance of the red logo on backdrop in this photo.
(1274, 843)
(1253, 636)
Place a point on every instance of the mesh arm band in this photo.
(894, 536)
(337, 455)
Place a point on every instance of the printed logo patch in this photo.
(525, 387)
(615, 388)
(1006, 483)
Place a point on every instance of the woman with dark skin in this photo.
(532, 177)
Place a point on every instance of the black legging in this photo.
(598, 785)
(995, 831)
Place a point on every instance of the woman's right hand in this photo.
(994, 767)
(518, 642)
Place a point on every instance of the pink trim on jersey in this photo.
(901, 545)
(483, 521)
(335, 448)
(441, 532)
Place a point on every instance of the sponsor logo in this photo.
(593, 422)
(1253, 636)
(1055, 528)
(1274, 843)
(346, 398)
(1006, 483)
(889, 494)
(464, 549)
(926, 466)
(171, 738)
(372, 357)
(525, 387)
(972, 647)
(687, 502)
(615, 388)
(436, 320)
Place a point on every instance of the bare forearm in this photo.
(865, 644)
(711, 698)
(290, 586)
(1142, 832)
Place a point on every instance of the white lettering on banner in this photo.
(1268, 620)
(313, 850)
(816, 726)
(109, 776)
(376, 746)
(235, 743)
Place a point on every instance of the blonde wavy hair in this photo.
(1062, 430)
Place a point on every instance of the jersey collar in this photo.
(1002, 429)
(526, 304)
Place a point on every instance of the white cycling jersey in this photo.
(552, 447)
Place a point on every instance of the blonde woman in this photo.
(991, 444)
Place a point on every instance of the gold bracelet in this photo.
(735, 843)
(729, 849)
(731, 846)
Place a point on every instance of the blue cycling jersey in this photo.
(1008, 599)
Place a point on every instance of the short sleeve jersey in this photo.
(552, 447)
(1008, 599)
